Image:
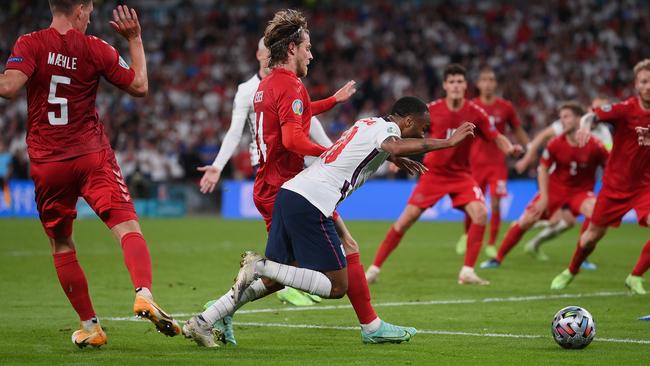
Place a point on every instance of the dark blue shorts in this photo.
(301, 233)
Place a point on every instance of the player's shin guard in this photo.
(513, 236)
(495, 225)
(474, 243)
(225, 305)
(643, 263)
(358, 291)
(314, 282)
(581, 253)
(74, 284)
(137, 259)
(391, 241)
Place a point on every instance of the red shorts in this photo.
(431, 188)
(495, 176)
(96, 177)
(572, 201)
(612, 206)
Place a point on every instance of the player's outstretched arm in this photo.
(406, 147)
(584, 132)
(542, 179)
(342, 95)
(125, 22)
(531, 152)
(11, 82)
(507, 147)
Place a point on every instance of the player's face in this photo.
(417, 126)
(642, 84)
(303, 56)
(569, 120)
(455, 86)
(487, 83)
(82, 17)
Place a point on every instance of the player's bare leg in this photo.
(408, 217)
(495, 223)
(478, 213)
(74, 284)
(586, 244)
(138, 262)
(514, 234)
(373, 329)
(634, 280)
(561, 221)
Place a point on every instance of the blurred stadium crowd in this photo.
(198, 51)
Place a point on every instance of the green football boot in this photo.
(388, 333)
(561, 281)
(461, 245)
(635, 284)
(223, 327)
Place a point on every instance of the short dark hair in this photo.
(409, 106)
(287, 26)
(66, 6)
(454, 69)
(573, 106)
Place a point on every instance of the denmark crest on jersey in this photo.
(297, 107)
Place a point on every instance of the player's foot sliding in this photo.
(388, 333)
(223, 327)
(145, 307)
(246, 274)
(372, 274)
(90, 334)
(468, 276)
(635, 284)
(535, 251)
(201, 332)
(561, 281)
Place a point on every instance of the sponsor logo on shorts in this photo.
(297, 107)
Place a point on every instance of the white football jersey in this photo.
(599, 131)
(345, 166)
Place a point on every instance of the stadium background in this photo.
(198, 51)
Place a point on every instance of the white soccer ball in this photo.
(573, 327)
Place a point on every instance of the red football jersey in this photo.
(575, 167)
(629, 165)
(280, 98)
(455, 161)
(501, 114)
(63, 72)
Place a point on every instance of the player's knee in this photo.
(479, 215)
(339, 289)
(350, 245)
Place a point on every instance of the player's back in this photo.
(346, 165)
(280, 97)
(63, 74)
(501, 114)
(574, 168)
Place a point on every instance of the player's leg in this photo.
(461, 244)
(106, 192)
(478, 213)
(373, 329)
(408, 217)
(56, 193)
(512, 237)
(498, 189)
(634, 280)
(481, 177)
(585, 207)
(561, 221)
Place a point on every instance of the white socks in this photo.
(372, 326)
(143, 291)
(313, 282)
(549, 233)
(226, 305)
(90, 323)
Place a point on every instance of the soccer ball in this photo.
(573, 327)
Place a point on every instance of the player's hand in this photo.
(410, 166)
(517, 151)
(465, 130)
(210, 178)
(521, 165)
(583, 135)
(125, 22)
(643, 134)
(343, 94)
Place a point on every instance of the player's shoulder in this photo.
(475, 108)
(505, 103)
(249, 86)
(556, 142)
(436, 104)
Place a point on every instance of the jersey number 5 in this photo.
(53, 99)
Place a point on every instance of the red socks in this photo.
(644, 261)
(387, 246)
(513, 236)
(468, 222)
(358, 291)
(581, 253)
(474, 242)
(495, 223)
(74, 284)
(137, 259)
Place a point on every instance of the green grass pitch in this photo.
(195, 260)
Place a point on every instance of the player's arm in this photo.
(542, 181)
(507, 147)
(406, 147)
(295, 140)
(212, 173)
(342, 95)
(11, 81)
(531, 149)
(521, 136)
(125, 22)
(317, 133)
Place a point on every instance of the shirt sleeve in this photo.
(111, 64)
(23, 55)
(290, 106)
(385, 131)
(482, 122)
(548, 156)
(612, 113)
(323, 105)
(240, 109)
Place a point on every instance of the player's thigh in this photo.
(609, 210)
(427, 193)
(56, 188)
(477, 211)
(279, 245)
(105, 190)
(586, 205)
(527, 219)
